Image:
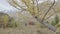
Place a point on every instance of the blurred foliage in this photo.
(58, 25)
(39, 25)
(12, 23)
(31, 8)
(7, 21)
(34, 10)
(55, 21)
(4, 18)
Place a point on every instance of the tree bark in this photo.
(50, 27)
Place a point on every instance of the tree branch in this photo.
(46, 22)
(48, 11)
(50, 27)
(37, 7)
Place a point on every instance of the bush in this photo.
(7, 21)
(55, 21)
(4, 18)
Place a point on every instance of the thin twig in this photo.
(48, 11)
(49, 16)
(37, 7)
(14, 2)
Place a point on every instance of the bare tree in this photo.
(32, 6)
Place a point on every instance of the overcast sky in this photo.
(4, 5)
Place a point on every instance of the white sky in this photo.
(4, 5)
